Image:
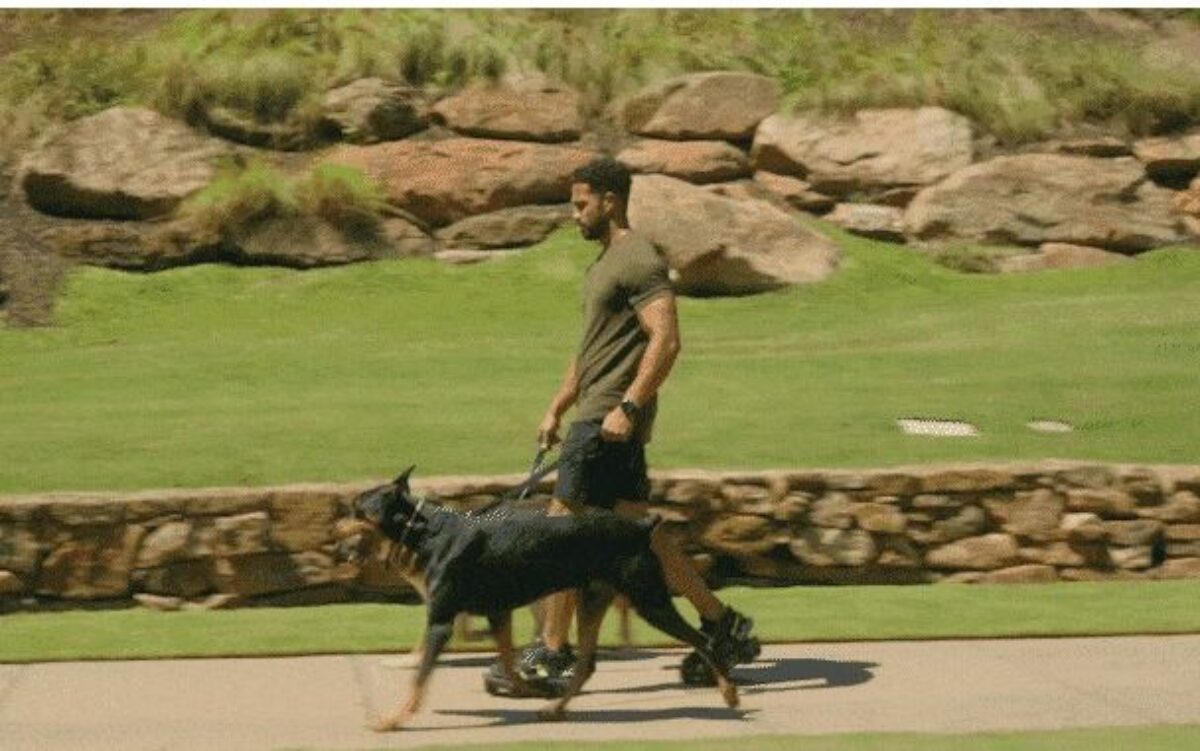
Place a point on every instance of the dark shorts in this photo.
(598, 473)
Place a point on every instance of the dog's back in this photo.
(505, 561)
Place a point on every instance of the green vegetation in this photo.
(794, 614)
(342, 196)
(213, 375)
(1152, 738)
(1020, 74)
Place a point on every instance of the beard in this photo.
(592, 231)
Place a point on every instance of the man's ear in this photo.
(609, 203)
(402, 480)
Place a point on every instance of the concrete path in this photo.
(326, 702)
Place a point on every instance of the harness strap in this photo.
(408, 524)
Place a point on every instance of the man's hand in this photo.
(617, 427)
(548, 431)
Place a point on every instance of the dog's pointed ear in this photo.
(402, 480)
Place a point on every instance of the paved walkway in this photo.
(326, 702)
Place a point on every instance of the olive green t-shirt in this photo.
(627, 275)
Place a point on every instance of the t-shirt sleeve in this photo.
(647, 276)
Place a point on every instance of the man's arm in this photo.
(566, 395)
(658, 318)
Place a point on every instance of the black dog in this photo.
(492, 564)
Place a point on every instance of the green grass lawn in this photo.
(794, 614)
(213, 375)
(1154, 738)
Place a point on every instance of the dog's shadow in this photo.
(761, 676)
(783, 674)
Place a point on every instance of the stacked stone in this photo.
(1002, 524)
(1011, 524)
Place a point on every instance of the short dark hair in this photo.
(606, 175)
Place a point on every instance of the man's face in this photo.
(589, 211)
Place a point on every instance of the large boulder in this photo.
(305, 242)
(1031, 199)
(370, 110)
(295, 241)
(442, 182)
(123, 163)
(874, 150)
(694, 161)
(1171, 160)
(526, 108)
(721, 105)
(507, 228)
(718, 245)
(135, 246)
(242, 127)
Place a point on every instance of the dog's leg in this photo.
(501, 625)
(593, 603)
(437, 634)
(660, 612)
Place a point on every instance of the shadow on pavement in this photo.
(814, 673)
(764, 675)
(521, 716)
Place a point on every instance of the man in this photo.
(630, 341)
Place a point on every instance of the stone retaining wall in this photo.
(963, 523)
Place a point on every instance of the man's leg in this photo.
(679, 570)
(559, 607)
(728, 631)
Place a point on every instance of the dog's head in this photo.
(387, 510)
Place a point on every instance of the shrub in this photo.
(240, 198)
(342, 196)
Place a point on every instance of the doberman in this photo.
(492, 564)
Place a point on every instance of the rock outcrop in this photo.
(694, 161)
(869, 153)
(446, 181)
(524, 108)
(719, 245)
(507, 228)
(1031, 199)
(725, 106)
(123, 163)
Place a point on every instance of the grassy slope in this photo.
(1020, 75)
(213, 375)
(794, 614)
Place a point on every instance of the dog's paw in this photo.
(729, 693)
(391, 723)
(552, 713)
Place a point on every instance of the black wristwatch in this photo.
(631, 409)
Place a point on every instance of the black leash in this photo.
(540, 469)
